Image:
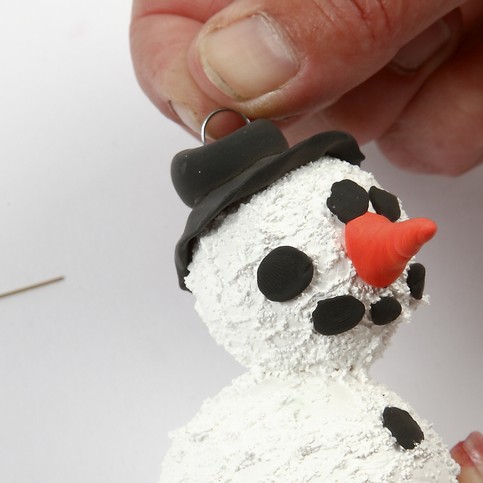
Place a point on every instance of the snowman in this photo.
(302, 268)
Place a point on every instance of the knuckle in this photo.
(377, 17)
(370, 21)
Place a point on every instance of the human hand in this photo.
(408, 74)
(469, 455)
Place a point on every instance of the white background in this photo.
(95, 370)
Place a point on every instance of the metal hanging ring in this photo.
(211, 114)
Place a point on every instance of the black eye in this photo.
(385, 203)
(284, 273)
(348, 200)
(415, 281)
(337, 315)
(385, 310)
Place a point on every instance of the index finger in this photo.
(160, 34)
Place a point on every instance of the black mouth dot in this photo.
(385, 310)
(337, 315)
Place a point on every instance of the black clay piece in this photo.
(203, 183)
(415, 281)
(348, 200)
(337, 315)
(284, 273)
(385, 203)
(196, 172)
(385, 310)
(407, 432)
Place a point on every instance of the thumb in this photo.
(281, 59)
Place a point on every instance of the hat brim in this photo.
(257, 177)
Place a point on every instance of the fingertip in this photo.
(469, 455)
(473, 446)
(431, 48)
(459, 454)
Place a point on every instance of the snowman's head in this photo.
(298, 260)
(285, 280)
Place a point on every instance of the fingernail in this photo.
(422, 48)
(473, 446)
(248, 58)
(186, 116)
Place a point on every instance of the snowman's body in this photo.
(307, 410)
(300, 429)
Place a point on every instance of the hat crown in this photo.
(196, 172)
(212, 177)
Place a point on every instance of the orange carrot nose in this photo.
(380, 249)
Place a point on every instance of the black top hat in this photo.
(212, 177)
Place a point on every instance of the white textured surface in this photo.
(306, 411)
(298, 429)
(271, 336)
(96, 370)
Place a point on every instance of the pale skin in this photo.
(469, 455)
(406, 74)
